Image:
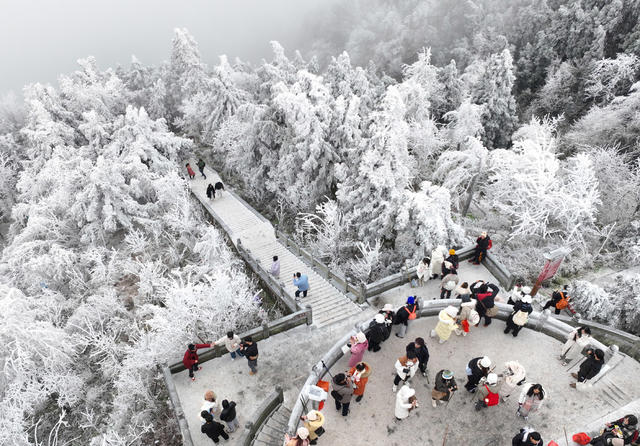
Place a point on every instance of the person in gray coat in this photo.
(342, 392)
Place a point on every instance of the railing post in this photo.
(362, 297)
(265, 330)
(309, 314)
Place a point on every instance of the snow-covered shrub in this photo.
(594, 303)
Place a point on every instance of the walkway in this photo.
(257, 235)
(286, 360)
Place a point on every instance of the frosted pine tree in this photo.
(370, 200)
(305, 171)
(424, 221)
(490, 83)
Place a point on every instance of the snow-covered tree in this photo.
(611, 77)
(325, 231)
(370, 200)
(424, 221)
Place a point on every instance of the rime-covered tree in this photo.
(383, 173)
(490, 83)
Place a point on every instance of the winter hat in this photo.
(191, 347)
(447, 374)
(526, 299)
(302, 433)
(312, 415)
(526, 289)
(451, 311)
(492, 378)
(361, 337)
(411, 300)
(452, 251)
(474, 318)
(379, 318)
(485, 362)
(387, 307)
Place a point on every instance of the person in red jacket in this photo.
(190, 171)
(190, 359)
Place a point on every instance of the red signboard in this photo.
(550, 268)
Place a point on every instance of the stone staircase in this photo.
(272, 431)
(329, 305)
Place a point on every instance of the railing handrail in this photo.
(259, 333)
(264, 410)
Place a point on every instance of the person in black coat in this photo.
(485, 295)
(590, 366)
(527, 438)
(421, 352)
(211, 192)
(523, 305)
(228, 415)
(377, 333)
(451, 263)
(483, 243)
(479, 368)
(212, 429)
(403, 315)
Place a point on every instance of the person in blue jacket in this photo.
(302, 282)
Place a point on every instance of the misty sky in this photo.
(43, 38)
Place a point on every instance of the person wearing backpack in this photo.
(211, 192)
(448, 284)
(446, 324)
(342, 392)
(487, 394)
(485, 295)
(531, 399)
(520, 315)
(444, 387)
(527, 437)
(559, 300)
(405, 314)
(483, 243)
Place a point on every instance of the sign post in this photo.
(551, 265)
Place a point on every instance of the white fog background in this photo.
(41, 39)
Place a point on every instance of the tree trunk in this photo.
(472, 187)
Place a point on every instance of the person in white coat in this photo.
(422, 270)
(577, 340)
(437, 259)
(405, 402)
(513, 373)
(531, 399)
(406, 367)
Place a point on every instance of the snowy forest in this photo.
(398, 127)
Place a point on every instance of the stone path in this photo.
(257, 235)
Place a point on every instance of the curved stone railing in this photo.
(539, 321)
(261, 414)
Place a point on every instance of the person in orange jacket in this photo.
(190, 359)
(359, 376)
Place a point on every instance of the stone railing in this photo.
(177, 407)
(538, 321)
(276, 288)
(496, 268)
(353, 291)
(274, 327)
(268, 406)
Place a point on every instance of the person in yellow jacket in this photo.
(446, 324)
(313, 421)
